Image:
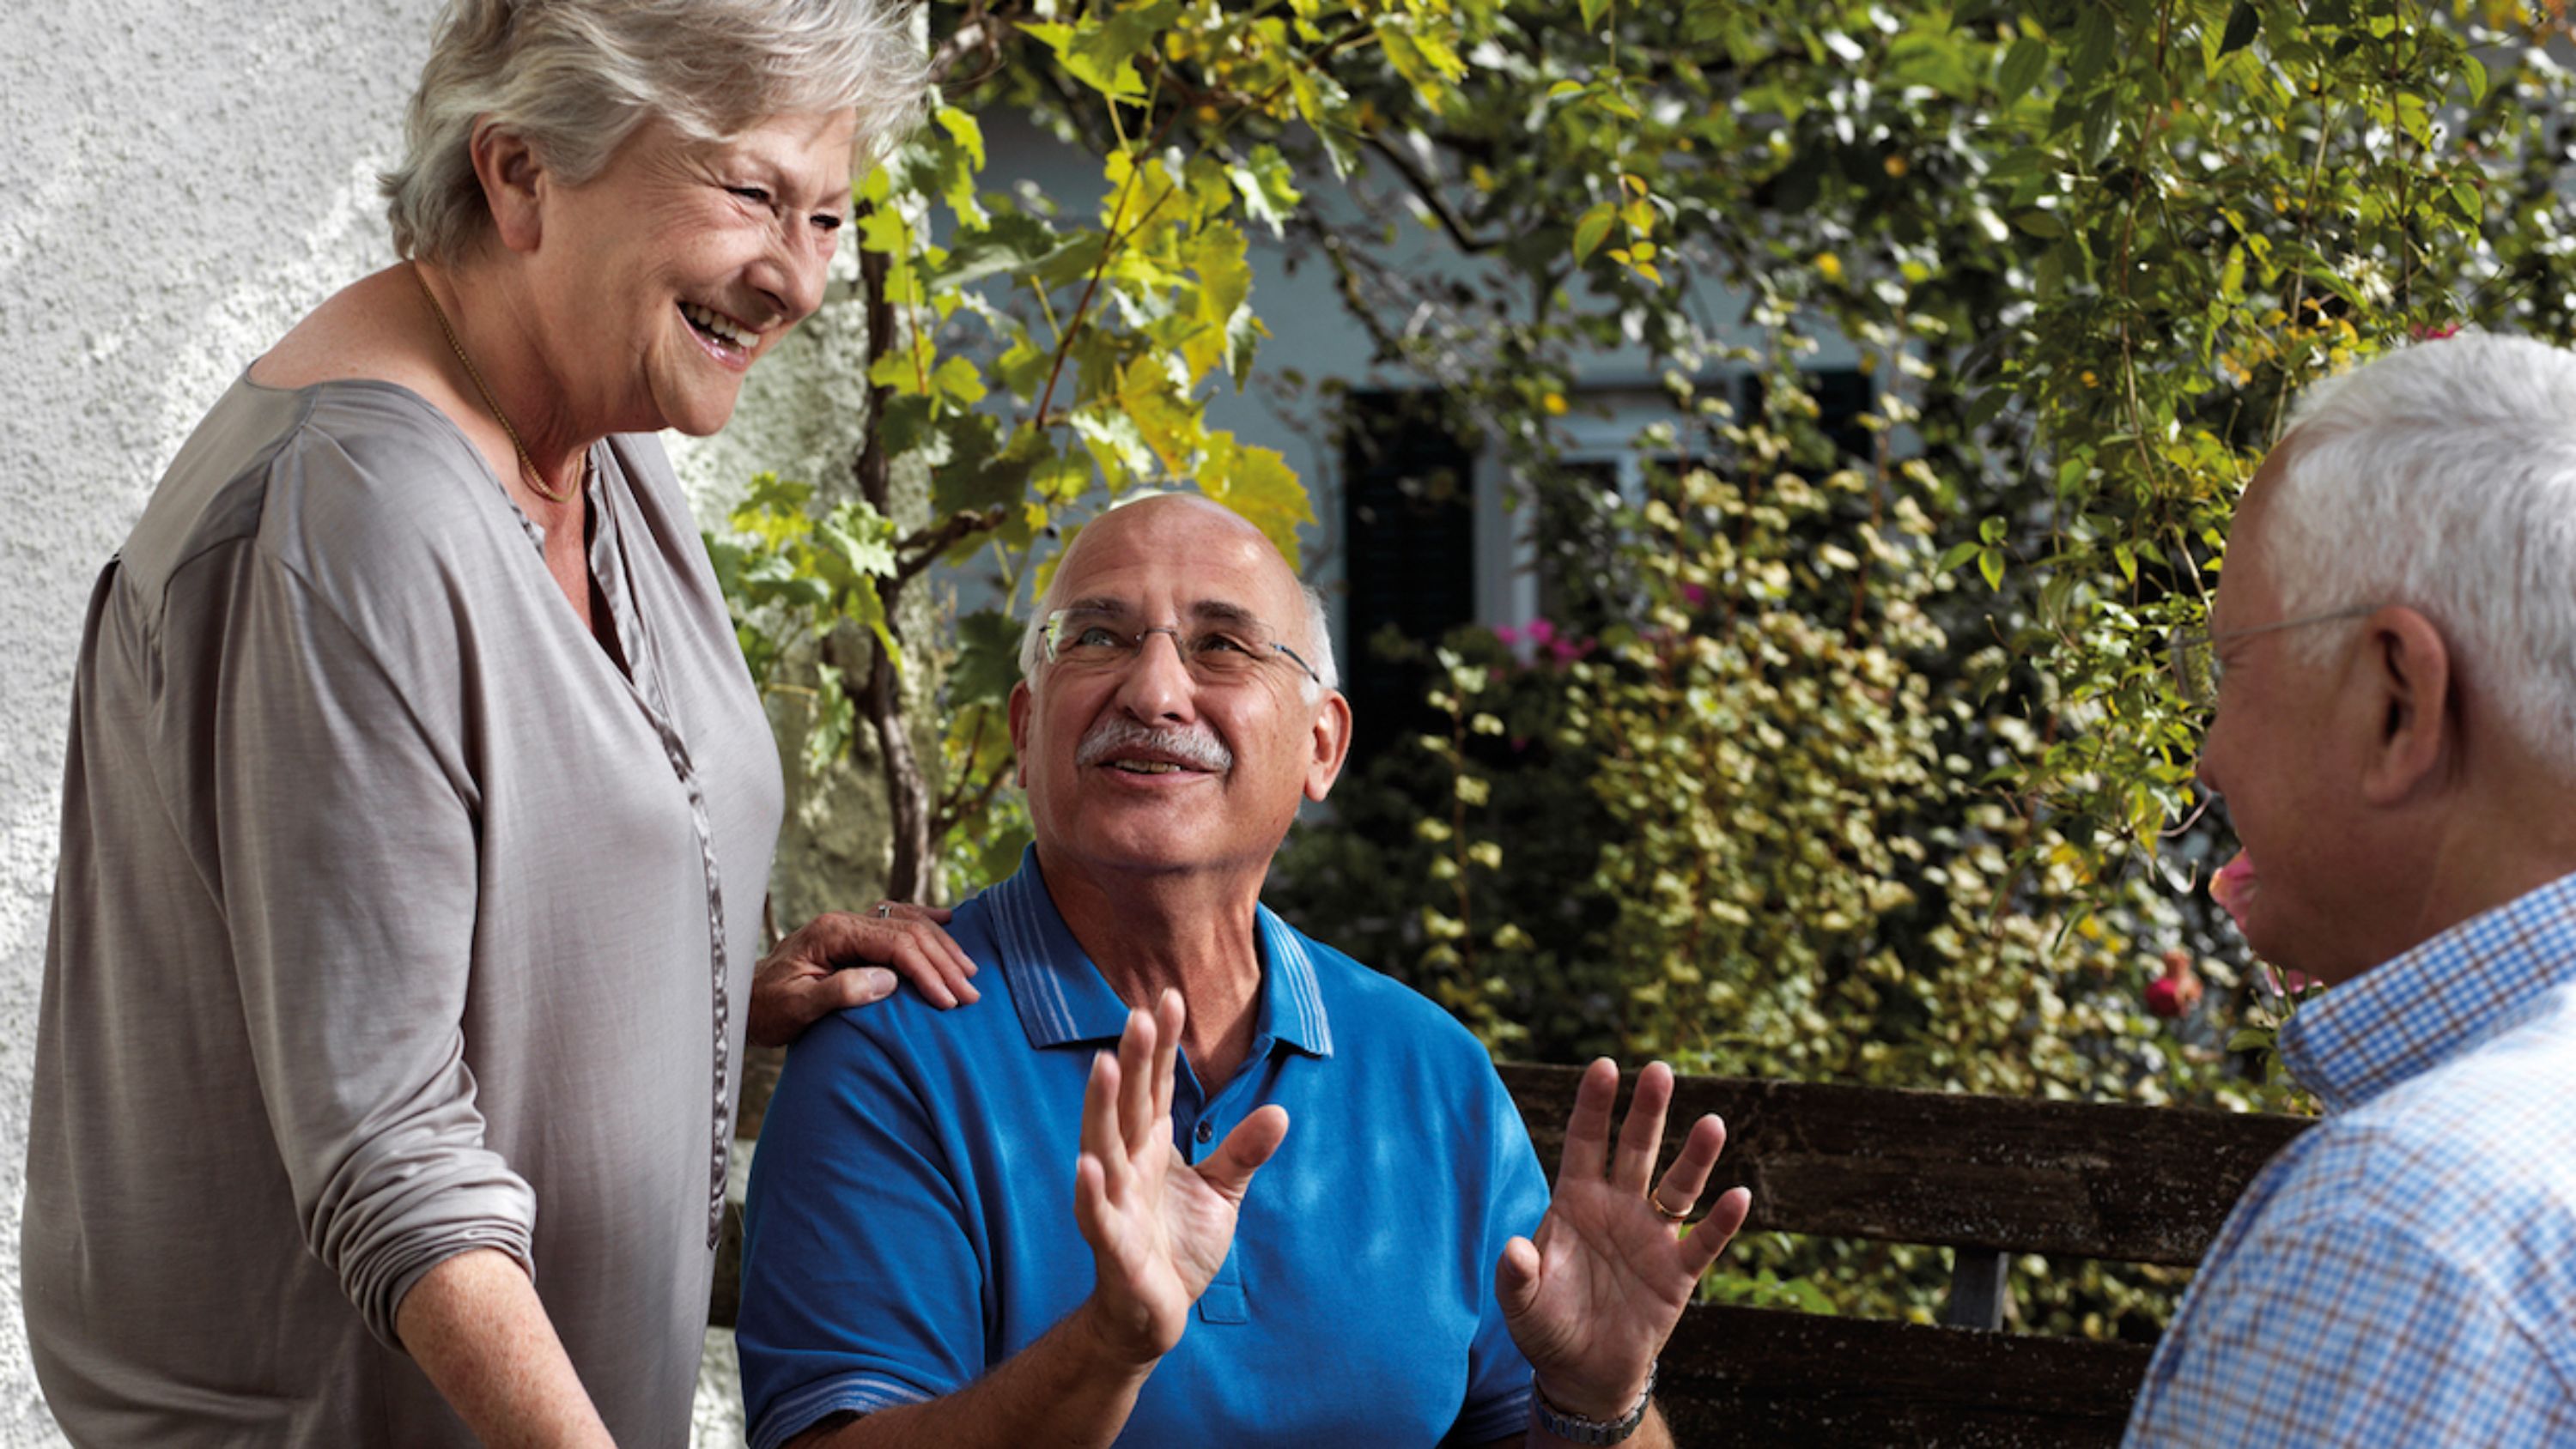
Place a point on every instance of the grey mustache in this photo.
(1195, 747)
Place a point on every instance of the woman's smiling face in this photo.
(666, 276)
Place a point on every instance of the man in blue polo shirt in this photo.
(1039, 1220)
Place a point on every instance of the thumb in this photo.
(1229, 1169)
(858, 986)
(1516, 1277)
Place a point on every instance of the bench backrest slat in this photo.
(2096, 1180)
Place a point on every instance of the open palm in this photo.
(1159, 1228)
(1593, 1294)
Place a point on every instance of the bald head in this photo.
(1186, 525)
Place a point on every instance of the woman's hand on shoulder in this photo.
(839, 960)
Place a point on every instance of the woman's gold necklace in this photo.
(527, 465)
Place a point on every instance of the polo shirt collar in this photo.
(1063, 999)
(2434, 1002)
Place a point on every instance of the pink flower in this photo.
(1507, 634)
(1539, 631)
(1695, 594)
(2436, 334)
(2177, 991)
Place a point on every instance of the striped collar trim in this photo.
(1063, 999)
(2422, 1008)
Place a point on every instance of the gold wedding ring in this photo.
(1667, 1214)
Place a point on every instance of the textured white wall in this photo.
(183, 179)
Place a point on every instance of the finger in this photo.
(1516, 1278)
(1229, 1169)
(1687, 1178)
(1091, 1199)
(1641, 1137)
(1710, 1235)
(1136, 1057)
(1169, 1017)
(857, 986)
(1100, 1137)
(930, 970)
(1587, 1127)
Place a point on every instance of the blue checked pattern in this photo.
(2406, 1273)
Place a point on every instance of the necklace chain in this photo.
(527, 465)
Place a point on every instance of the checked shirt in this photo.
(2405, 1274)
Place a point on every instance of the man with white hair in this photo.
(2396, 742)
(913, 1269)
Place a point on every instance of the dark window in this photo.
(1409, 528)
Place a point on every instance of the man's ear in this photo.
(1332, 741)
(2407, 670)
(1020, 706)
(514, 182)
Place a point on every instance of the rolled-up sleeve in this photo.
(347, 851)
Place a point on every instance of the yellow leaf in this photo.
(1258, 484)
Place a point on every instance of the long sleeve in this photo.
(348, 875)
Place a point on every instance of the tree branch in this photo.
(1429, 192)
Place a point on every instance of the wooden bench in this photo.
(1988, 1177)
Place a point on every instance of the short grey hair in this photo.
(576, 78)
(2443, 477)
(1318, 655)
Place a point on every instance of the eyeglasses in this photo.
(1099, 641)
(2194, 652)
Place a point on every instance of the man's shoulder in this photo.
(1359, 997)
(2473, 1159)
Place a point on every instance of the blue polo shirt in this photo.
(910, 1223)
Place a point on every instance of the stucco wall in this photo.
(183, 180)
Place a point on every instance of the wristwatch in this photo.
(1576, 1429)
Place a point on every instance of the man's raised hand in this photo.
(1591, 1297)
(1158, 1227)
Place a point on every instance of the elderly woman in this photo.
(419, 805)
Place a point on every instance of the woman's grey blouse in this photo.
(396, 917)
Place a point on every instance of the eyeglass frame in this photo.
(1053, 628)
(2181, 644)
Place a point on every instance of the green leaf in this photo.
(1990, 563)
(988, 659)
(2242, 24)
(1954, 556)
(1590, 229)
(1593, 10)
(1268, 186)
(2022, 67)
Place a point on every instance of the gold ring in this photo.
(1667, 1214)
